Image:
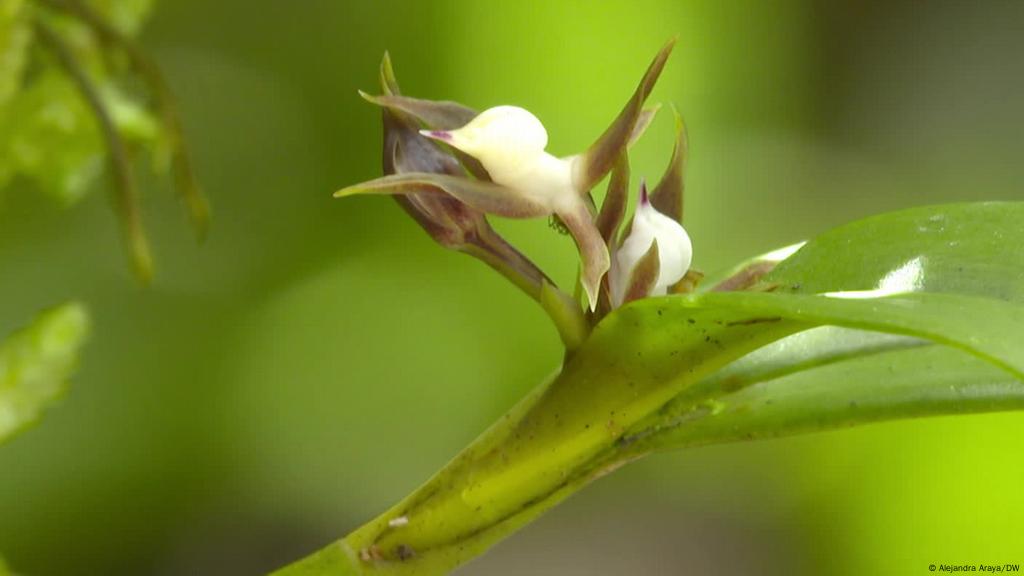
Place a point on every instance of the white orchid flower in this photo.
(510, 143)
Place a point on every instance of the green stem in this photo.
(563, 310)
(366, 551)
(545, 449)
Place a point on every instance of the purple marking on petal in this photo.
(643, 192)
(437, 135)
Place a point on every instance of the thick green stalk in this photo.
(609, 402)
(543, 450)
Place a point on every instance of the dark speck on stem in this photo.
(405, 552)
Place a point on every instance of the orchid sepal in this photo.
(599, 158)
(667, 196)
(486, 197)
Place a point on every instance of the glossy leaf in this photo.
(967, 255)
(639, 358)
(923, 381)
(957, 248)
(747, 274)
(954, 248)
(684, 370)
(35, 364)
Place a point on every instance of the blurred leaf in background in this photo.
(79, 98)
(48, 133)
(35, 364)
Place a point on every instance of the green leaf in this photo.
(15, 36)
(127, 16)
(747, 274)
(923, 381)
(956, 248)
(35, 364)
(48, 134)
(636, 361)
(965, 253)
(691, 369)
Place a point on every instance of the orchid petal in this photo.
(388, 82)
(593, 251)
(438, 114)
(445, 219)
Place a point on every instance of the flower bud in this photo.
(674, 251)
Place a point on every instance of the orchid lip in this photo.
(437, 135)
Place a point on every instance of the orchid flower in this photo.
(510, 144)
(515, 176)
(450, 168)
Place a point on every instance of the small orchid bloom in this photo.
(451, 168)
(509, 142)
(656, 255)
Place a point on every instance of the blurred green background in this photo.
(316, 359)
